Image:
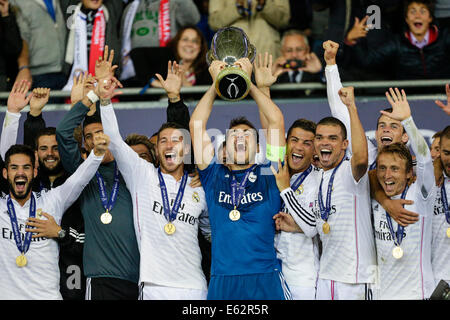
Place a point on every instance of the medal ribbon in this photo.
(23, 248)
(398, 236)
(445, 202)
(164, 23)
(324, 212)
(108, 204)
(171, 214)
(238, 189)
(298, 182)
(373, 165)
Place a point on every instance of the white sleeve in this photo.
(128, 161)
(66, 194)
(9, 132)
(304, 218)
(424, 168)
(337, 107)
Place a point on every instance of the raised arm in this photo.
(34, 121)
(203, 148)
(401, 111)
(445, 108)
(66, 194)
(360, 156)
(337, 107)
(17, 100)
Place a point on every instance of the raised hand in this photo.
(106, 88)
(285, 222)
(263, 71)
(38, 100)
(347, 96)
(173, 81)
(399, 103)
(282, 176)
(101, 143)
(331, 49)
(103, 66)
(359, 30)
(445, 108)
(215, 67)
(18, 98)
(312, 63)
(245, 65)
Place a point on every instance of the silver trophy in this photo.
(229, 45)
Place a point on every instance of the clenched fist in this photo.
(347, 96)
(101, 143)
(331, 49)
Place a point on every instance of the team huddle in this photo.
(328, 215)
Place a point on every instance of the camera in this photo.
(294, 64)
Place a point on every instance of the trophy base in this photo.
(232, 84)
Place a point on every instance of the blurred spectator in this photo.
(296, 63)
(319, 27)
(203, 25)
(343, 15)
(442, 13)
(422, 52)
(301, 16)
(11, 43)
(189, 48)
(149, 24)
(43, 30)
(261, 20)
(94, 24)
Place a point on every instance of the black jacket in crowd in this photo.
(10, 48)
(407, 61)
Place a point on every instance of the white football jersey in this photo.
(440, 245)
(348, 253)
(39, 279)
(166, 260)
(299, 253)
(410, 277)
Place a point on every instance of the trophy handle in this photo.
(210, 57)
(251, 52)
(232, 84)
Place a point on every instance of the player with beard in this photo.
(110, 253)
(347, 264)
(28, 261)
(440, 249)
(388, 131)
(167, 210)
(242, 198)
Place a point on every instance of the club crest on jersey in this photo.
(252, 177)
(195, 197)
(299, 190)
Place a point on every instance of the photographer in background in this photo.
(296, 63)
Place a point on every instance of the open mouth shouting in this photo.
(325, 154)
(297, 158)
(20, 183)
(385, 140)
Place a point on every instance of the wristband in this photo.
(24, 67)
(92, 96)
(275, 153)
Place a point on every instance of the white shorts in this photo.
(302, 293)
(149, 291)
(333, 290)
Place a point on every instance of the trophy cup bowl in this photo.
(229, 45)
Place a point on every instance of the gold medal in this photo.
(448, 232)
(397, 252)
(169, 228)
(326, 228)
(21, 261)
(234, 215)
(106, 218)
